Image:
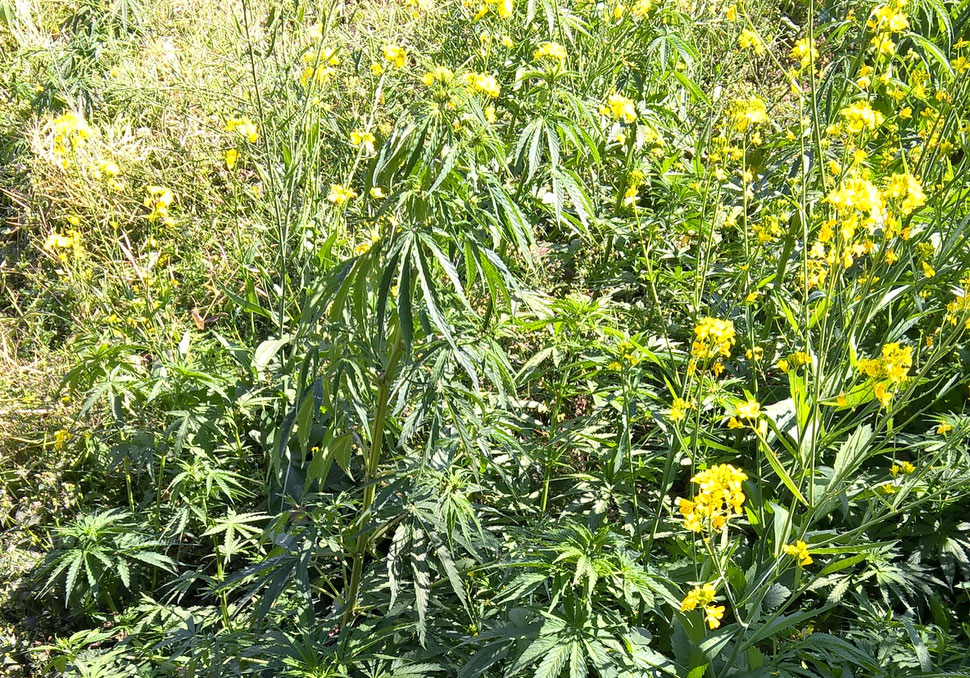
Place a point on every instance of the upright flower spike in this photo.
(158, 199)
(719, 498)
(713, 338)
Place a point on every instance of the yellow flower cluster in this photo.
(703, 596)
(638, 10)
(795, 360)
(719, 498)
(886, 20)
(61, 245)
(70, 131)
(861, 208)
(904, 467)
(888, 371)
(713, 337)
(746, 413)
(483, 83)
(804, 52)
(799, 551)
(245, 128)
(158, 199)
(860, 117)
(751, 40)
(363, 140)
(441, 74)
(503, 8)
(620, 108)
(395, 54)
(958, 310)
(678, 410)
(550, 51)
(319, 74)
(109, 172)
(906, 189)
(894, 363)
(746, 113)
(340, 194)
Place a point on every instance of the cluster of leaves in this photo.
(502, 293)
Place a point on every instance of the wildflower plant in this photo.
(489, 337)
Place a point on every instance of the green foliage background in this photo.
(433, 430)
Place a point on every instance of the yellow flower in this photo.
(441, 74)
(719, 497)
(698, 596)
(630, 196)
(746, 113)
(56, 241)
(713, 337)
(109, 169)
(799, 551)
(884, 44)
(232, 155)
(619, 107)
(861, 117)
(60, 438)
(889, 18)
(396, 54)
(364, 140)
(158, 200)
(504, 8)
(857, 194)
(713, 615)
(339, 194)
(906, 188)
(377, 193)
(896, 361)
(883, 395)
(376, 69)
(364, 247)
(749, 409)
(245, 127)
(732, 13)
(484, 84)
(751, 40)
(804, 51)
(943, 428)
(70, 132)
(641, 8)
(551, 51)
(904, 467)
(677, 412)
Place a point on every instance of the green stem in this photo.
(370, 474)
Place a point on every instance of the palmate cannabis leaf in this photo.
(96, 554)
